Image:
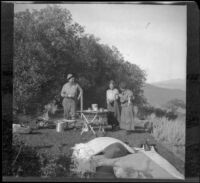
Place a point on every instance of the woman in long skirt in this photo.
(112, 105)
(127, 108)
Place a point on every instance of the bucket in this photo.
(60, 127)
(95, 107)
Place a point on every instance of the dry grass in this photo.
(171, 133)
(168, 131)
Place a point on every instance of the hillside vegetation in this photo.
(158, 97)
(49, 44)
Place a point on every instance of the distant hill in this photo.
(171, 84)
(157, 96)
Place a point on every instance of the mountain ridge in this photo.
(158, 96)
(171, 84)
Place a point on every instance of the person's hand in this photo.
(120, 95)
(63, 94)
(110, 101)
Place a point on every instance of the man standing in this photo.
(70, 94)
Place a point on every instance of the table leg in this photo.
(101, 128)
(88, 124)
(94, 118)
(85, 127)
(92, 129)
(92, 122)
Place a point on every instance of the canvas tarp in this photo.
(143, 164)
(138, 164)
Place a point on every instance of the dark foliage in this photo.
(145, 111)
(26, 161)
(48, 45)
(6, 147)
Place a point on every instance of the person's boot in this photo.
(117, 128)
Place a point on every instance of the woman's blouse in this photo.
(125, 96)
(111, 94)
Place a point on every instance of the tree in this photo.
(48, 45)
(44, 43)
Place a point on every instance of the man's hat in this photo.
(69, 76)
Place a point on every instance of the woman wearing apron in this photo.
(127, 108)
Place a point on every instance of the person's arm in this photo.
(117, 94)
(80, 91)
(129, 100)
(63, 92)
(107, 100)
(130, 97)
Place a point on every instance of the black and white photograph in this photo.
(99, 90)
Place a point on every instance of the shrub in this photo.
(55, 165)
(145, 111)
(174, 104)
(28, 162)
(48, 45)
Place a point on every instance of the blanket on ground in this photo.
(138, 164)
(145, 164)
(83, 153)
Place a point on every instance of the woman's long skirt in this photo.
(127, 118)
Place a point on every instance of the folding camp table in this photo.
(92, 117)
(88, 122)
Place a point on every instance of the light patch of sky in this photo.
(151, 36)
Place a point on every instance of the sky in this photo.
(151, 36)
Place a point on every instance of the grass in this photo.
(53, 144)
(48, 141)
(171, 133)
